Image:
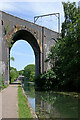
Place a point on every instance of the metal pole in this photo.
(46, 15)
(36, 18)
(79, 6)
(59, 22)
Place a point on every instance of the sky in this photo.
(27, 9)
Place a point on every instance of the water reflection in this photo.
(30, 92)
(51, 105)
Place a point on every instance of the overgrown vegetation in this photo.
(13, 74)
(2, 86)
(46, 81)
(64, 57)
(23, 109)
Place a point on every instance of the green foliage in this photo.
(13, 74)
(21, 72)
(29, 72)
(67, 49)
(2, 86)
(12, 58)
(11, 41)
(46, 81)
(64, 57)
(71, 18)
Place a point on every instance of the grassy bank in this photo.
(73, 94)
(23, 109)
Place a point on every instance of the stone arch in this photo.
(29, 37)
(40, 38)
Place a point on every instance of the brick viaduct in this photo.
(40, 38)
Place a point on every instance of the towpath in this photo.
(8, 100)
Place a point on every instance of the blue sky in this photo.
(23, 54)
(27, 9)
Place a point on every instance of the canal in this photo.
(51, 105)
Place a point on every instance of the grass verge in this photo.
(23, 109)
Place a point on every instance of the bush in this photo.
(13, 74)
(46, 81)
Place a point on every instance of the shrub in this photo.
(46, 81)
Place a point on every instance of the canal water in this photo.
(52, 105)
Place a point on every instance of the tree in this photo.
(21, 72)
(69, 46)
(29, 72)
(13, 74)
(66, 52)
(12, 58)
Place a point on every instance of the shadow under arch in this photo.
(29, 37)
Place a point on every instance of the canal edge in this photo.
(29, 105)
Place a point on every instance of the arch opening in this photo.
(27, 36)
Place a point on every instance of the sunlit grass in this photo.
(23, 109)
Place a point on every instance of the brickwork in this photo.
(40, 38)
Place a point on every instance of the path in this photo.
(9, 102)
